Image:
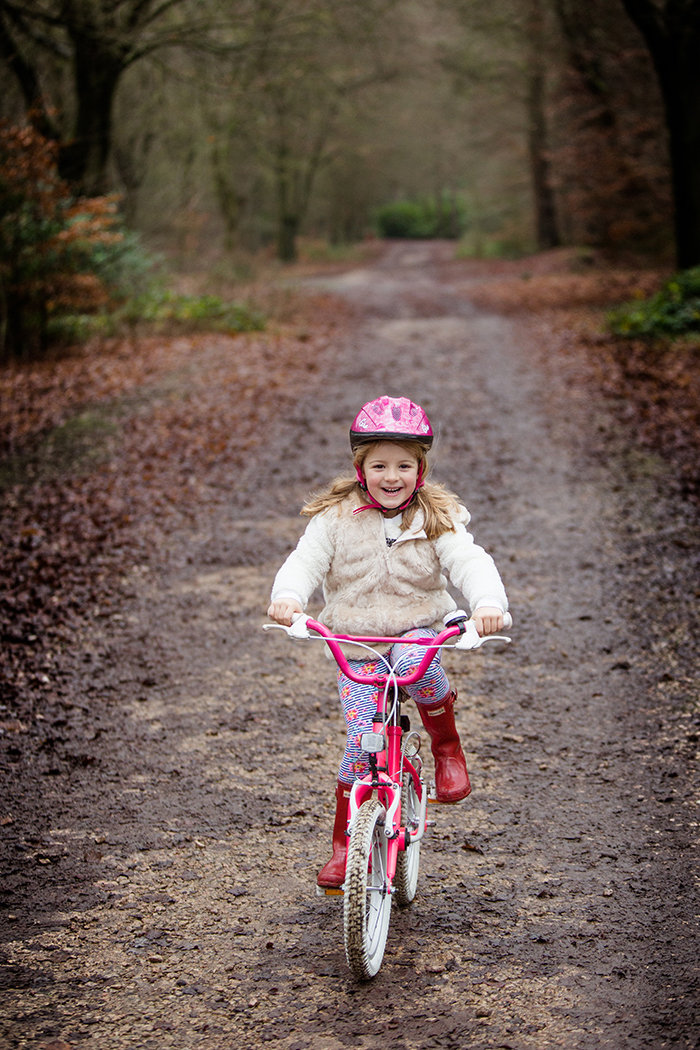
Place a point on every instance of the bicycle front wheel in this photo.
(367, 901)
(408, 860)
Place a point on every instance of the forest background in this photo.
(221, 131)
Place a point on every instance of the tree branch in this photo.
(17, 14)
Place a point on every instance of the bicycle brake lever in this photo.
(297, 630)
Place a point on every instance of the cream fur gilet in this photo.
(374, 589)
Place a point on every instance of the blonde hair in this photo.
(437, 503)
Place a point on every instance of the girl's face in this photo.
(391, 475)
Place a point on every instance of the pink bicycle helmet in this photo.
(390, 419)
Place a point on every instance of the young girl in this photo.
(382, 543)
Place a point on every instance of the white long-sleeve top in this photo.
(470, 569)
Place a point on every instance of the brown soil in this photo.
(166, 801)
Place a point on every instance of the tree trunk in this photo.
(288, 210)
(231, 202)
(83, 161)
(681, 93)
(27, 77)
(546, 225)
(673, 38)
(287, 233)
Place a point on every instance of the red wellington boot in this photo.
(451, 777)
(332, 874)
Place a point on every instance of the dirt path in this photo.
(162, 890)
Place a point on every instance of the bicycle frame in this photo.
(388, 767)
(388, 760)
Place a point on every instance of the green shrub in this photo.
(124, 266)
(425, 218)
(403, 219)
(482, 246)
(160, 310)
(674, 310)
(164, 308)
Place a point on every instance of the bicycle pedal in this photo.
(329, 891)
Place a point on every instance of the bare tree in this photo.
(671, 29)
(95, 41)
(286, 98)
(504, 51)
(611, 161)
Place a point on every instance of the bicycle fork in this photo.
(382, 759)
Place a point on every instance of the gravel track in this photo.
(160, 881)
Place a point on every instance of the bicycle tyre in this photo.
(408, 860)
(367, 902)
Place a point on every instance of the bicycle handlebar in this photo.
(458, 625)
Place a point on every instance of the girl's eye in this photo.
(383, 466)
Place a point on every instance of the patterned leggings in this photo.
(360, 701)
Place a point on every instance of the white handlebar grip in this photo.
(470, 639)
(298, 628)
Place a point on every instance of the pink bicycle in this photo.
(387, 815)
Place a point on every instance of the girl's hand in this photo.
(488, 621)
(282, 610)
